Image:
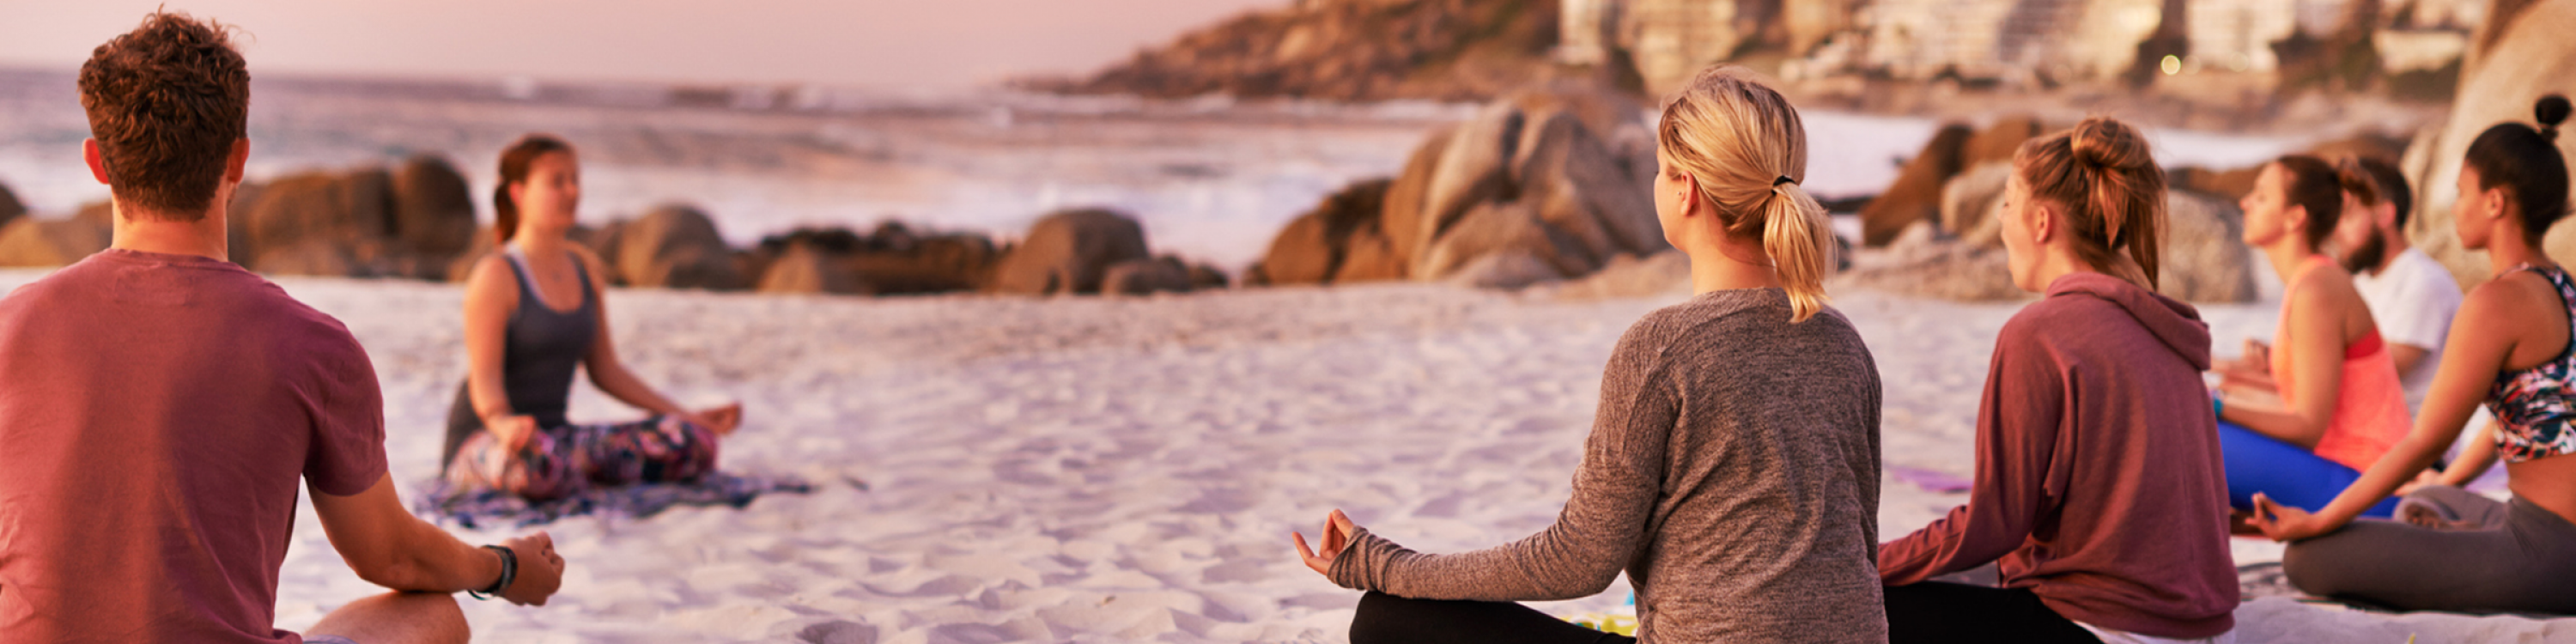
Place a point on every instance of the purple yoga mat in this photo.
(1931, 480)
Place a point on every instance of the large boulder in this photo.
(1146, 277)
(32, 242)
(10, 207)
(1999, 140)
(1513, 228)
(676, 246)
(2521, 54)
(926, 264)
(1369, 256)
(1558, 175)
(1916, 194)
(1408, 197)
(433, 209)
(1475, 168)
(804, 269)
(1067, 252)
(1923, 262)
(2204, 256)
(300, 218)
(1970, 200)
(1312, 248)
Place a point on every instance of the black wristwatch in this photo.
(509, 573)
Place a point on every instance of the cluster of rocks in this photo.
(416, 220)
(1546, 184)
(1350, 50)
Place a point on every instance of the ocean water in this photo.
(1211, 179)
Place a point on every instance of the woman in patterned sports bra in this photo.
(533, 316)
(2512, 348)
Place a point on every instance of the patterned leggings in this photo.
(561, 461)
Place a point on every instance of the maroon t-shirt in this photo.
(155, 412)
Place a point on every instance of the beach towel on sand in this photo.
(479, 507)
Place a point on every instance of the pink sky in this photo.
(886, 43)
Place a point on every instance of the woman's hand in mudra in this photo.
(513, 430)
(721, 420)
(1335, 537)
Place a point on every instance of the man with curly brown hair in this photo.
(158, 404)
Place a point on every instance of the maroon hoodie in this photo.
(2099, 481)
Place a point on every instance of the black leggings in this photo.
(1935, 611)
(1385, 618)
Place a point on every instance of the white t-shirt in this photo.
(2413, 302)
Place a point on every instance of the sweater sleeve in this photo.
(2017, 428)
(1594, 537)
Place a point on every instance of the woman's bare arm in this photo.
(2482, 338)
(491, 296)
(2317, 357)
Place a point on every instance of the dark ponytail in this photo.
(2114, 193)
(2526, 162)
(2311, 183)
(514, 170)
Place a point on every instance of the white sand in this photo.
(1124, 469)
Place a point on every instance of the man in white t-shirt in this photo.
(2411, 295)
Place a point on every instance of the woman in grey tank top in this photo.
(533, 315)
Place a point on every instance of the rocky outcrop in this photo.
(1969, 203)
(411, 221)
(1146, 277)
(675, 246)
(433, 209)
(1347, 50)
(927, 264)
(2523, 54)
(1313, 248)
(1067, 253)
(32, 242)
(1917, 193)
(804, 269)
(10, 207)
(1553, 179)
(892, 260)
(2204, 253)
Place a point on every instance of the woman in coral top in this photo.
(2334, 403)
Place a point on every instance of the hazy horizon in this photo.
(890, 44)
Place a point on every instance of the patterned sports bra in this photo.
(2533, 407)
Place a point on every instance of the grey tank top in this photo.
(542, 348)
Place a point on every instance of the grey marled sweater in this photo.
(1732, 471)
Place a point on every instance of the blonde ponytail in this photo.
(1800, 242)
(1747, 149)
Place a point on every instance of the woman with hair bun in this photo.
(2333, 402)
(533, 316)
(2511, 349)
(2099, 491)
(1733, 467)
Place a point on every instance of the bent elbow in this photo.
(393, 573)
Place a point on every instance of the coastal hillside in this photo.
(1349, 50)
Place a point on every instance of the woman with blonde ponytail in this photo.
(1733, 466)
(2099, 496)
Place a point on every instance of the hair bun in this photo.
(2107, 143)
(2551, 111)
